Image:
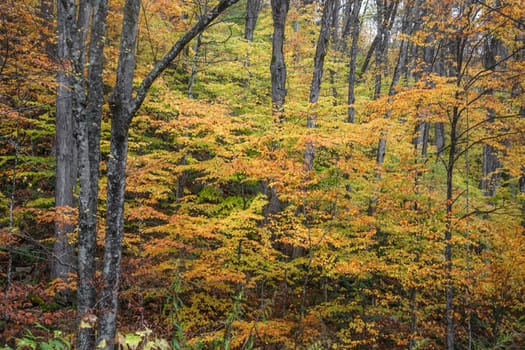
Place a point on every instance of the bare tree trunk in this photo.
(320, 53)
(368, 56)
(449, 285)
(354, 20)
(63, 261)
(253, 8)
(197, 49)
(278, 66)
(120, 101)
(315, 87)
(89, 158)
(401, 61)
(439, 135)
(196, 55)
(334, 19)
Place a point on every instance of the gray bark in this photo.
(278, 66)
(320, 53)
(439, 136)
(63, 256)
(449, 286)
(253, 8)
(334, 18)
(385, 16)
(89, 159)
(196, 55)
(380, 48)
(315, 87)
(355, 24)
(388, 14)
(401, 62)
(194, 66)
(83, 99)
(120, 120)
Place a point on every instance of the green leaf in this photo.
(133, 340)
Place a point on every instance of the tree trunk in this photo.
(368, 56)
(194, 66)
(120, 119)
(277, 66)
(334, 19)
(354, 19)
(196, 55)
(89, 159)
(63, 261)
(315, 87)
(392, 91)
(439, 136)
(253, 8)
(449, 285)
(320, 53)
(380, 47)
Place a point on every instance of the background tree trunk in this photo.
(63, 261)
(356, 27)
(278, 66)
(253, 8)
(320, 53)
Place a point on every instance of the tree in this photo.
(79, 111)
(62, 264)
(278, 66)
(123, 107)
(354, 23)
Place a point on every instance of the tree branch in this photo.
(161, 66)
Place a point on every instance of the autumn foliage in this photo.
(230, 240)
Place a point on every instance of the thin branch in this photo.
(498, 11)
(481, 73)
(474, 126)
(483, 212)
(482, 140)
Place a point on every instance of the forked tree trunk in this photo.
(83, 99)
(277, 65)
(120, 101)
(123, 107)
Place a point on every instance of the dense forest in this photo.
(262, 174)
